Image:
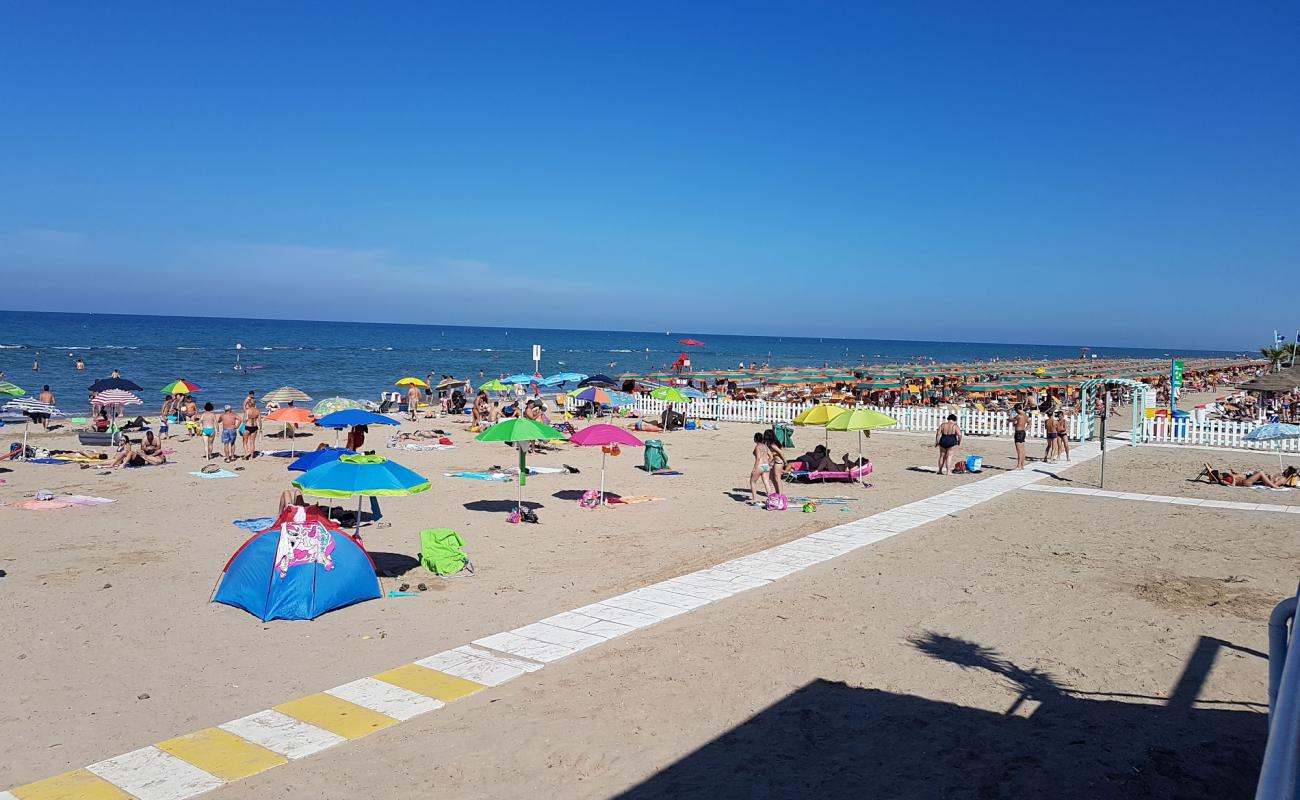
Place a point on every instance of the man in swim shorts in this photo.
(1020, 427)
(229, 432)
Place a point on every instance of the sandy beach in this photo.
(113, 644)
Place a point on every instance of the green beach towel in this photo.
(441, 553)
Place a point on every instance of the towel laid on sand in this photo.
(255, 524)
(221, 473)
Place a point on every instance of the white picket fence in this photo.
(1211, 433)
(910, 418)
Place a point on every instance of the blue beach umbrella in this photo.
(351, 417)
(562, 377)
(520, 378)
(1274, 432)
(315, 458)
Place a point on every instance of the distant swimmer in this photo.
(36, 363)
(80, 364)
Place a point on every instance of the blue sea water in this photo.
(359, 360)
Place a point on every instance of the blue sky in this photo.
(1089, 173)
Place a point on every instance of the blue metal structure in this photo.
(1279, 776)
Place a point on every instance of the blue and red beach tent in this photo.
(300, 567)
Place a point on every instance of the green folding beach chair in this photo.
(441, 553)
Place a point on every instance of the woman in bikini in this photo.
(762, 466)
(946, 438)
(777, 460)
(208, 424)
(252, 418)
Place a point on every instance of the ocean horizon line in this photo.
(1170, 350)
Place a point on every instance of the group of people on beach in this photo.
(229, 426)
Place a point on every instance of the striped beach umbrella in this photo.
(286, 394)
(29, 407)
(115, 397)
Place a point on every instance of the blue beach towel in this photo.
(256, 524)
(221, 473)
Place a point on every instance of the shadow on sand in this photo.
(831, 740)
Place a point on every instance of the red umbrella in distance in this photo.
(691, 342)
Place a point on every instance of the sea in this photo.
(229, 357)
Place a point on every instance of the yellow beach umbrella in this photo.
(412, 382)
(820, 415)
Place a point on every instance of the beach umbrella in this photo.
(493, 386)
(105, 384)
(670, 394)
(593, 394)
(860, 419)
(1274, 432)
(286, 394)
(820, 415)
(331, 404)
(412, 382)
(313, 459)
(447, 383)
(10, 389)
(361, 476)
(514, 431)
(563, 377)
(27, 407)
(599, 380)
(181, 387)
(691, 342)
(621, 399)
(350, 418)
(604, 436)
(519, 378)
(691, 392)
(290, 416)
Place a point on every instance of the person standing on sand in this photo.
(758, 475)
(1020, 430)
(229, 432)
(413, 401)
(250, 402)
(1062, 435)
(946, 438)
(1049, 425)
(208, 424)
(252, 418)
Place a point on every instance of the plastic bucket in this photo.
(974, 463)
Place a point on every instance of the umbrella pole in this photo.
(860, 452)
(357, 535)
(523, 472)
(602, 475)
(29, 422)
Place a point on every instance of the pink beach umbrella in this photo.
(604, 436)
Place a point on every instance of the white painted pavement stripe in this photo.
(479, 670)
(527, 665)
(281, 733)
(1161, 498)
(7, 796)
(648, 607)
(574, 640)
(623, 616)
(684, 602)
(151, 774)
(722, 574)
(393, 701)
(703, 592)
(518, 645)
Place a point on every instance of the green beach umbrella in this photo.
(860, 419)
(331, 404)
(522, 429)
(672, 395)
(361, 476)
(494, 386)
(8, 388)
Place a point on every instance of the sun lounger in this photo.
(1213, 476)
(796, 472)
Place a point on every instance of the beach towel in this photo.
(666, 472)
(39, 505)
(221, 473)
(441, 551)
(631, 499)
(419, 446)
(479, 476)
(255, 524)
(83, 500)
(49, 461)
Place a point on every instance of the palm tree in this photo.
(1281, 353)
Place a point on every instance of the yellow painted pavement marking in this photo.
(430, 682)
(222, 753)
(340, 717)
(79, 784)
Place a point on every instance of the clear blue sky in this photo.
(1084, 173)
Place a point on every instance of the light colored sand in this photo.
(1009, 652)
(78, 654)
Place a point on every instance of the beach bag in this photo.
(441, 553)
(784, 435)
(776, 502)
(655, 457)
(590, 499)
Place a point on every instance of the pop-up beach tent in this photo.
(299, 568)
